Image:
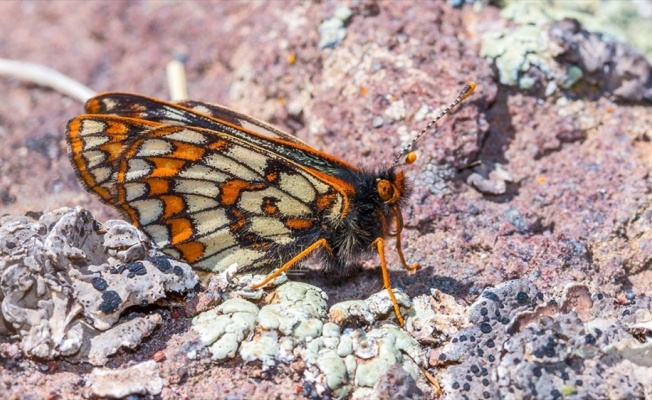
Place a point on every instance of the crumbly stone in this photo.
(580, 346)
(66, 280)
(141, 379)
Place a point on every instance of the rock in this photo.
(140, 379)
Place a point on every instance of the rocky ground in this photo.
(530, 213)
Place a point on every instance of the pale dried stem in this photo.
(45, 76)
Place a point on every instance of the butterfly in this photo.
(213, 187)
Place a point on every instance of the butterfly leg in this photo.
(320, 243)
(380, 246)
(399, 250)
(400, 255)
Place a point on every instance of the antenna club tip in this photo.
(411, 158)
(468, 90)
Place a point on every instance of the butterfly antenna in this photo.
(466, 92)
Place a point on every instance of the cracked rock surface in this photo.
(65, 281)
(578, 344)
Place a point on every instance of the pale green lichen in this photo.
(295, 303)
(621, 20)
(261, 348)
(528, 55)
(333, 368)
(225, 332)
(225, 347)
(308, 329)
(210, 326)
(331, 330)
(573, 75)
(236, 305)
(515, 51)
(339, 357)
(345, 346)
(350, 309)
(302, 296)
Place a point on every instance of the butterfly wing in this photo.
(246, 122)
(95, 144)
(193, 113)
(220, 119)
(205, 196)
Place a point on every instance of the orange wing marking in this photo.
(158, 186)
(230, 190)
(324, 201)
(180, 229)
(187, 151)
(173, 205)
(165, 167)
(298, 224)
(269, 207)
(191, 251)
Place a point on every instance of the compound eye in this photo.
(385, 190)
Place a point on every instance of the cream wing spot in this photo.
(320, 186)
(254, 160)
(335, 211)
(109, 103)
(188, 136)
(154, 147)
(252, 201)
(270, 228)
(94, 158)
(289, 206)
(210, 221)
(231, 166)
(199, 203)
(135, 190)
(94, 141)
(159, 234)
(217, 241)
(149, 210)
(198, 171)
(201, 188)
(297, 185)
(263, 130)
(92, 127)
(102, 174)
(173, 253)
(202, 110)
(212, 263)
(137, 168)
(244, 257)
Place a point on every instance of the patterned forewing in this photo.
(193, 113)
(216, 118)
(212, 200)
(246, 122)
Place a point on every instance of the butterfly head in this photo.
(392, 189)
